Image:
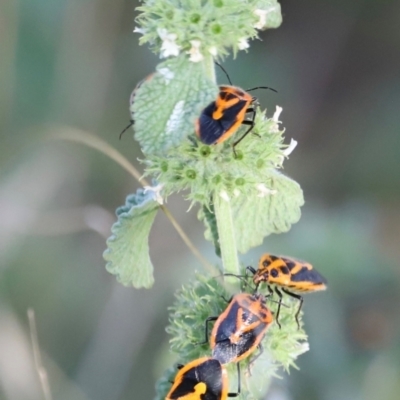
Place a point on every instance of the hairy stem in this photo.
(210, 68)
(223, 215)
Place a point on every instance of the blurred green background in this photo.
(70, 66)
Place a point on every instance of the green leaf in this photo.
(167, 104)
(256, 217)
(127, 254)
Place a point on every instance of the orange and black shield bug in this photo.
(238, 331)
(223, 117)
(201, 379)
(290, 274)
(131, 100)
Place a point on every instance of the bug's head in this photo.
(263, 272)
(272, 269)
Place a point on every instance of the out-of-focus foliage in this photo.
(72, 65)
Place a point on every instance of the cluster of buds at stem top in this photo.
(212, 28)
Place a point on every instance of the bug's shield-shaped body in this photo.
(240, 328)
(296, 275)
(201, 379)
(222, 118)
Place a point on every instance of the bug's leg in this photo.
(279, 304)
(237, 276)
(251, 110)
(251, 269)
(261, 87)
(243, 278)
(228, 301)
(251, 362)
(208, 320)
(300, 299)
(239, 383)
(224, 70)
(251, 123)
(271, 292)
(125, 129)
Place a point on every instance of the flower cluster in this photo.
(202, 28)
(203, 169)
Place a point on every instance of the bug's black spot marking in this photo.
(290, 264)
(262, 315)
(285, 270)
(274, 273)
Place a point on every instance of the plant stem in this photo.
(227, 242)
(223, 215)
(210, 68)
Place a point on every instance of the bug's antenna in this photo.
(223, 69)
(130, 124)
(261, 87)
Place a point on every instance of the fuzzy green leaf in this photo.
(127, 254)
(256, 217)
(167, 104)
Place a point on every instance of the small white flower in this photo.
(277, 114)
(236, 192)
(139, 30)
(290, 148)
(280, 161)
(213, 50)
(275, 118)
(262, 14)
(156, 192)
(167, 74)
(169, 46)
(302, 348)
(224, 195)
(243, 44)
(263, 191)
(195, 55)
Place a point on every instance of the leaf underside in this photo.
(127, 252)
